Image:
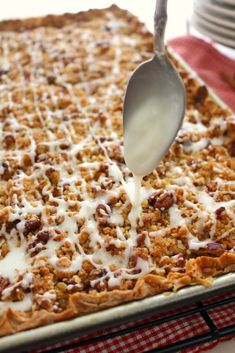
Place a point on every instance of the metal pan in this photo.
(123, 313)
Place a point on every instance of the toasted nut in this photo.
(152, 198)
(102, 210)
(32, 225)
(231, 149)
(43, 236)
(212, 249)
(8, 172)
(181, 260)
(9, 141)
(51, 79)
(200, 96)
(53, 175)
(4, 282)
(219, 212)
(11, 225)
(162, 200)
(212, 186)
(141, 238)
(215, 247)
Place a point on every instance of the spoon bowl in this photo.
(154, 106)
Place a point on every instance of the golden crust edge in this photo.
(82, 303)
(59, 21)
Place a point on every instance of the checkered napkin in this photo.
(212, 67)
(159, 336)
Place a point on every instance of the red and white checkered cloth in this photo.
(209, 63)
(158, 336)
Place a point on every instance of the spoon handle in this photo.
(160, 19)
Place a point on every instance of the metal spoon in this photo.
(154, 105)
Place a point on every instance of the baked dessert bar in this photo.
(67, 246)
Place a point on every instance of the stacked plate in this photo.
(216, 20)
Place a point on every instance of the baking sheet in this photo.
(122, 313)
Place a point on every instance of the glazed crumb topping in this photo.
(65, 192)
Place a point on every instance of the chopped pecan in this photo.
(56, 192)
(51, 79)
(152, 198)
(65, 145)
(219, 212)
(4, 282)
(103, 46)
(231, 149)
(32, 225)
(27, 161)
(9, 141)
(212, 186)
(212, 249)
(180, 262)
(43, 236)
(11, 225)
(162, 200)
(53, 175)
(102, 118)
(8, 172)
(141, 238)
(102, 210)
(200, 96)
(214, 246)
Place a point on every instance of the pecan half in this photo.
(162, 200)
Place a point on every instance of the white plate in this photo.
(211, 34)
(218, 29)
(220, 10)
(218, 20)
(228, 2)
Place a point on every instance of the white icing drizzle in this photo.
(14, 262)
(22, 305)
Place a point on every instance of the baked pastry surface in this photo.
(67, 246)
